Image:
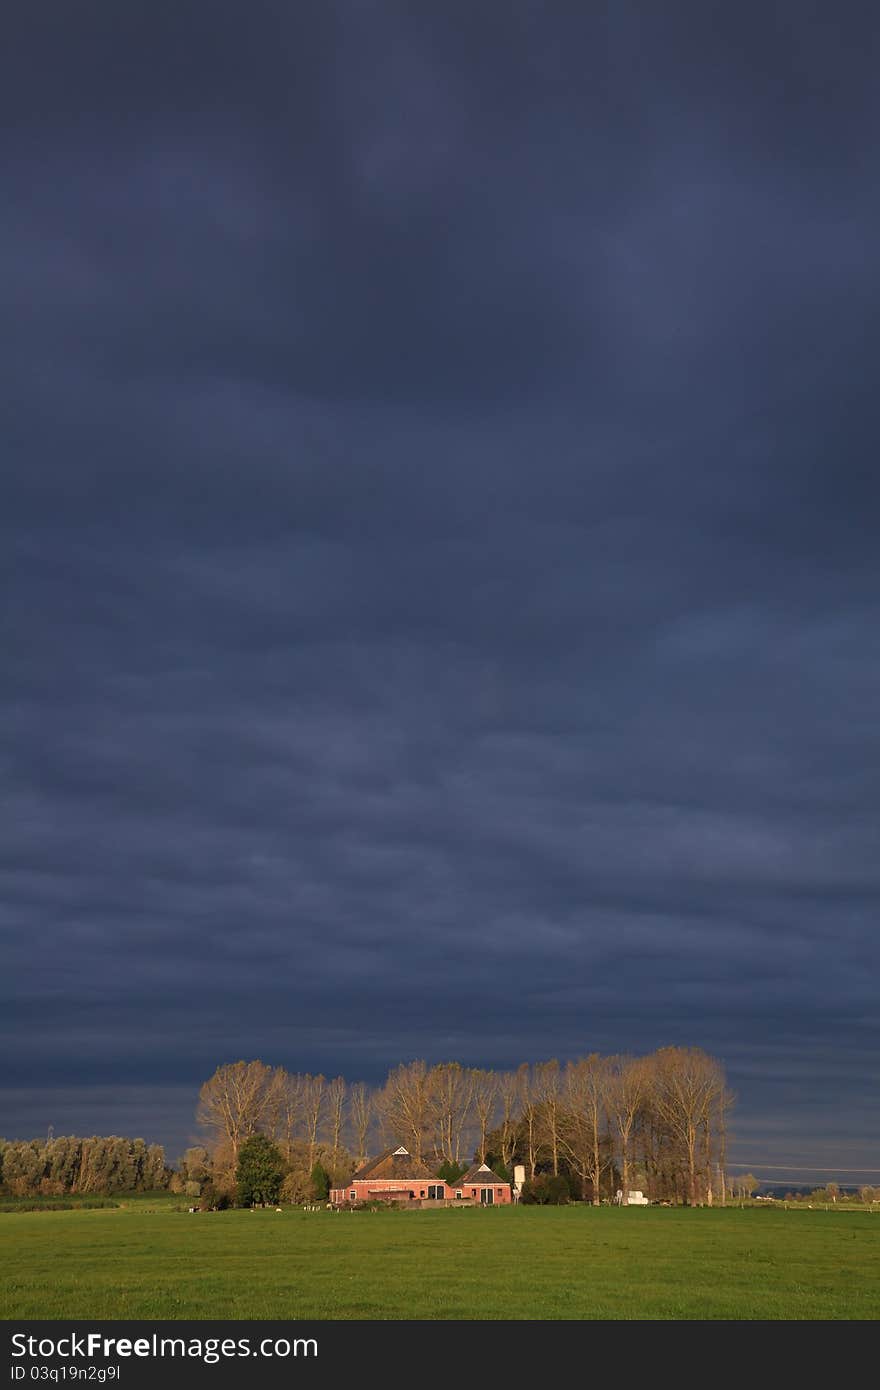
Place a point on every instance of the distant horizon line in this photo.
(800, 1168)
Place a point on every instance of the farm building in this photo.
(396, 1177)
(480, 1184)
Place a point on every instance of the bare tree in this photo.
(583, 1114)
(360, 1110)
(273, 1122)
(406, 1106)
(335, 1095)
(233, 1102)
(313, 1105)
(485, 1089)
(452, 1093)
(625, 1096)
(744, 1185)
(284, 1108)
(530, 1115)
(508, 1093)
(687, 1084)
(546, 1085)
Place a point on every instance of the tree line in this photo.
(68, 1164)
(603, 1124)
(590, 1127)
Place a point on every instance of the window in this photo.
(436, 1192)
(422, 1193)
(353, 1195)
(459, 1194)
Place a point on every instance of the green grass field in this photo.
(145, 1260)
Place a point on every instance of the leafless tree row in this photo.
(245, 1098)
(437, 1111)
(663, 1117)
(599, 1120)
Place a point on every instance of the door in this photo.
(487, 1196)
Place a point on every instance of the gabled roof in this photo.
(393, 1163)
(481, 1174)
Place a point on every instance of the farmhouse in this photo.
(396, 1177)
(480, 1184)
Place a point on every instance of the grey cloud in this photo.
(437, 496)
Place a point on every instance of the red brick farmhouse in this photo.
(396, 1177)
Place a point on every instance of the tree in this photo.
(451, 1172)
(209, 1198)
(335, 1108)
(586, 1082)
(284, 1108)
(320, 1180)
(452, 1093)
(485, 1092)
(360, 1109)
(744, 1185)
(23, 1167)
(235, 1100)
(625, 1096)
(299, 1180)
(62, 1162)
(530, 1115)
(195, 1165)
(313, 1105)
(546, 1190)
(508, 1092)
(405, 1105)
(259, 1173)
(686, 1085)
(546, 1089)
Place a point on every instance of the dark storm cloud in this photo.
(436, 528)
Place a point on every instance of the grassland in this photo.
(146, 1260)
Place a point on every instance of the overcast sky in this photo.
(439, 545)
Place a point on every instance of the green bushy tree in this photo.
(259, 1172)
(320, 1180)
(450, 1171)
(546, 1191)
